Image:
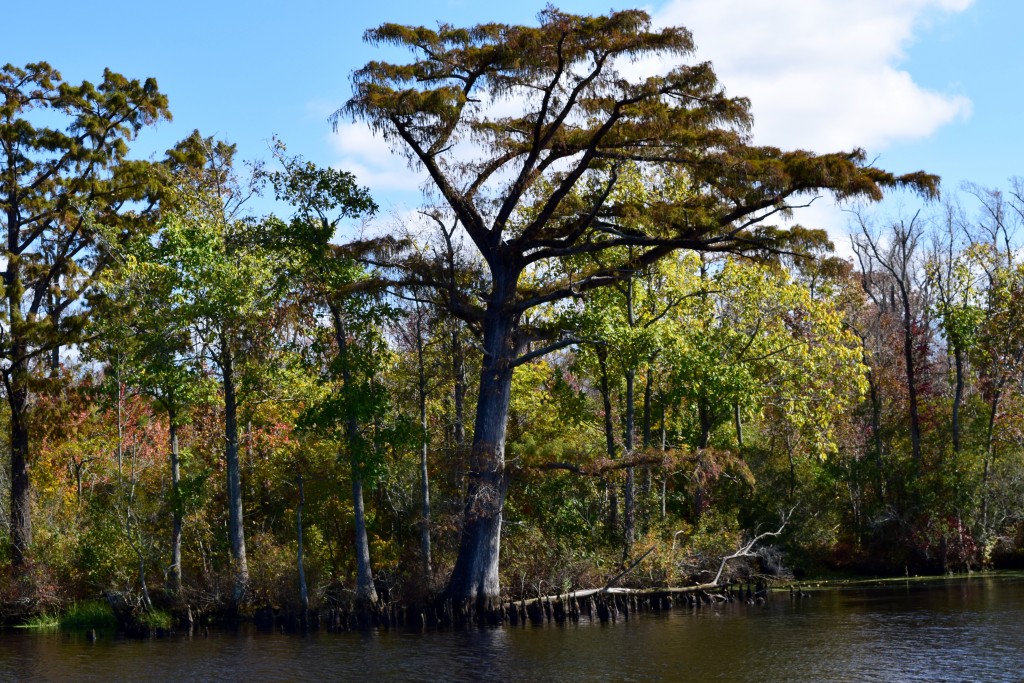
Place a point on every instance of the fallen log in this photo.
(746, 550)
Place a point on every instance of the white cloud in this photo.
(370, 158)
(822, 75)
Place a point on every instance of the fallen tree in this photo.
(748, 549)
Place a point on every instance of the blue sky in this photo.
(920, 84)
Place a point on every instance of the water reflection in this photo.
(966, 630)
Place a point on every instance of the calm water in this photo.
(956, 630)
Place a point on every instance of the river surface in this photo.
(942, 630)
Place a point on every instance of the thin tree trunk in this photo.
(459, 399)
(664, 478)
(176, 502)
(792, 466)
(119, 451)
(958, 393)
(303, 592)
(425, 521)
(236, 532)
(609, 436)
(17, 380)
(629, 504)
(699, 490)
(21, 494)
(990, 453)
(704, 415)
(424, 473)
(77, 466)
(738, 420)
(366, 593)
(876, 433)
(459, 392)
(911, 373)
(647, 419)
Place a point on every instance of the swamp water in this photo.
(969, 629)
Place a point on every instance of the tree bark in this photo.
(21, 494)
(609, 436)
(699, 489)
(664, 477)
(17, 380)
(459, 391)
(990, 454)
(474, 579)
(958, 393)
(366, 593)
(236, 532)
(738, 420)
(424, 451)
(301, 565)
(647, 419)
(176, 502)
(911, 373)
(629, 504)
(876, 433)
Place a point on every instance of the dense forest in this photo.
(592, 345)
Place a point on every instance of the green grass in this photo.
(156, 619)
(81, 615)
(42, 622)
(93, 614)
(84, 615)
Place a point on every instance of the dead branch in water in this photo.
(746, 550)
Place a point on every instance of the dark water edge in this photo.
(963, 629)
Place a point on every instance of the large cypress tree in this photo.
(522, 131)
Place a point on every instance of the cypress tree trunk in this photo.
(475, 576)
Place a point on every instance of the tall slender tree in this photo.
(339, 286)
(228, 283)
(67, 189)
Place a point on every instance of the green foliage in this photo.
(155, 619)
(42, 622)
(742, 390)
(90, 614)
